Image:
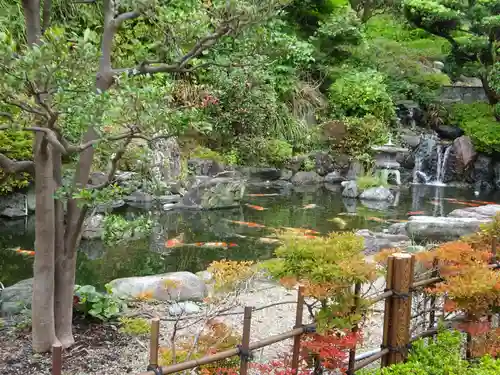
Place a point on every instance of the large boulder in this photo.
(17, 297)
(431, 228)
(334, 178)
(483, 173)
(173, 286)
(255, 173)
(377, 194)
(482, 212)
(306, 178)
(214, 193)
(464, 151)
(448, 132)
(375, 241)
(350, 189)
(13, 206)
(166, 159)
(205, 167)
(324, 163)
(93, 227)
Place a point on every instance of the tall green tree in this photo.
(473, 30)
(72, 82)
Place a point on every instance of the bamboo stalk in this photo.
(387, 308)
(56, 359)
(154, 342)
(245, 340)
(298, 323)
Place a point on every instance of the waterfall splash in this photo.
(443, 153)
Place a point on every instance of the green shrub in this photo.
(360, 135)
(259, 151)
(134, 326)
(16, 145)
(369, 181)
(361, 93)
(103, 306)
(478, 122)
(439, 357)
(201, 152)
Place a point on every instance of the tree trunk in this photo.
(44, 334)
(32, 20)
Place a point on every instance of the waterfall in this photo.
(418, 175)
(441, 164)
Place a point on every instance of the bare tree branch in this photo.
(47, 8)
(10, 166)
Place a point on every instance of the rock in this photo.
(163, 199)
(13, 205)
(438, 65)
(448, 132)
(173, 286)
(205, 167)
(31, 197)
(17, 297)
(397, 228)
(464, 150)
(102, 208)
(483, 212)
(411, 140)
(206, 276)
(139, 197)
(483, 170)
(93, 227)
(166, 159)
(306, 178)
(356, 169)
(496, 174)
(324, 163)
(183, 308)
(431, 228)
(334, 178)
(350, 189)
(377, 194)
(97, 178)
(469, 81)
(376, 204)
(410, 114)
(376, 241)
(286, 174)
(295, 163)
(266, 174)
(214, 193)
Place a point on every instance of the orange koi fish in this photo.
(397, 221)
(247, 224)
(376, 219)
(223, 245)
(302, 230)
(253, 207)
(416, 213)
(175, 242)
(263, 195)
(308, 206)
(25, 252)
(269, 240)
(482, 202)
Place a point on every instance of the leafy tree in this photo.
(473, 30)
(72, 90)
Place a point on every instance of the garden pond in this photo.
(238, 234)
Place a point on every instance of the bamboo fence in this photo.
(396, 339)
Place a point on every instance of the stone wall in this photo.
(464, 94)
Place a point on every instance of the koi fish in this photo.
(175, 242)
(416, 213)
(268, 240)
(263, 195)
(223, 245)
(302, 230)
(25, 252)
(309, 206)
(339, 222)
(257, 208)
(247, 224)
(376, 219)
(482, 202)
(435, 202)
(397, 221)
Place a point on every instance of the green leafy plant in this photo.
(118, 229)
(264, 152)
(134, 326)
(16, 145)
(103, 306)
(368, 181)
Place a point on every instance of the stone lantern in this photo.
(385, 161)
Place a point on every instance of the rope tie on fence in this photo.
(309, 328)
(155, 368)
(397, 349)
(244, 353)
(403, 296)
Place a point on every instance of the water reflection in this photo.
(98, 264)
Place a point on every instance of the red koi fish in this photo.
(223, 245)
(416, 213)
(263, 195)
(25, 252)
(482, 202)
(247, 224)
(175, 242)
(257, 208)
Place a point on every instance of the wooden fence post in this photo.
(352, 352)
(298, 323)
(398, 316)
(245, 341)
(56, 359)
(154, 343)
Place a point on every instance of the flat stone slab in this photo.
(442, 228)
(482, 212)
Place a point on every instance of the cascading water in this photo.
(432, 149)
(441, 164)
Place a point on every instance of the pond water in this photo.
(311, 209)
